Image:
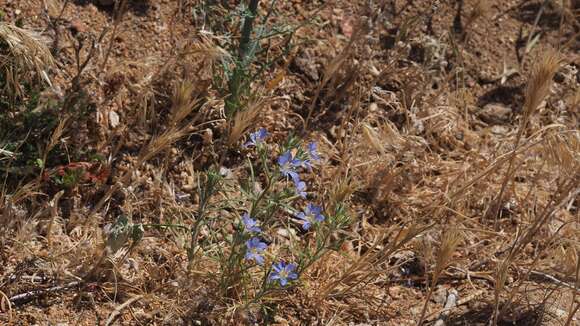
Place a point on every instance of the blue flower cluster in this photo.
(255, 247)
(281, 271)
(288, 165)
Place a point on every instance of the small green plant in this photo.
(266, 229)
(248, 62)
(32, 113)
(281, 231)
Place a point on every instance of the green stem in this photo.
(247, 28)
(238, 76)
(177, 226)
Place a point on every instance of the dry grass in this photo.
(537, 89)
(25, 58)
(243, 121)
(437, 200)
(449, 243)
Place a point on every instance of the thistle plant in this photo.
(247, 62)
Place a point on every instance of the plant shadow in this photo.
(137, 7)
(517, 316)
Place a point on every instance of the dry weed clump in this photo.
(24, 58)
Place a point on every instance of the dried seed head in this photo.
(24, 58)
(183, 102)
(562, 151)
(540, 81)
(372, 138)
(449, 243)
(243, 120)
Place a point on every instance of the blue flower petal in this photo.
(278, 267)
(313, 151)
(284, 158)
(256, 138)
(319, 218)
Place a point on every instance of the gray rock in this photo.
(495, 113)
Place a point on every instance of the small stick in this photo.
(31, 295)
(3, 308)
(115, 313)
(7, 153)
(554, 280)
(53, 214)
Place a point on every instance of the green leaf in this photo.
(119, 233)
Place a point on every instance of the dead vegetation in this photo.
(124, 155)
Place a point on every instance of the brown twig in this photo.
(555, 280)
(119, 10)
(115, 313)
(31, 295)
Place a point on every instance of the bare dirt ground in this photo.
(418, 110)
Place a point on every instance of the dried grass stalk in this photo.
(365, 268)
(243, 120)
(538, 88)
(449, 243)
(540, 82)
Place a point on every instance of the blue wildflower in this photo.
(257, 137)
(255, 247)
(250, 225)
(313, 155)
(307, 164)
(313, 151)
(300, 187)
(311, 214)
(288, 165)
(283, 272)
